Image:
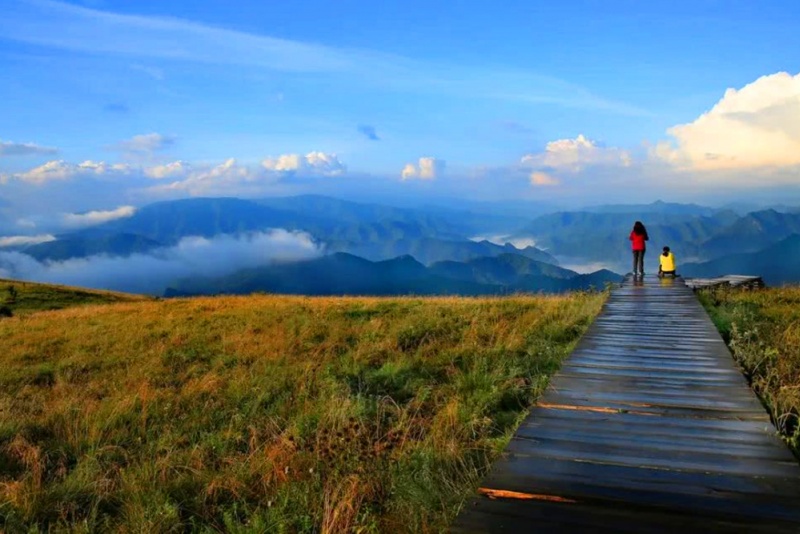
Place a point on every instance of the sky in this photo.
(107, 105)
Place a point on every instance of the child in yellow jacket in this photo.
(666, 263)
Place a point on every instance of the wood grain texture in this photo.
(648, 427)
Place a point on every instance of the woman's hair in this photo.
(639, 229)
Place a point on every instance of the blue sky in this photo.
(563, 101)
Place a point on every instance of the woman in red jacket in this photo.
(638, 237)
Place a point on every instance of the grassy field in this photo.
(265, 413)
(23, 298)
(762, 328)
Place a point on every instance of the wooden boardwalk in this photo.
(730, 280)
(648, 427)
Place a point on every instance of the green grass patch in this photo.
(19, 298)
(265, 413)
(762, 329)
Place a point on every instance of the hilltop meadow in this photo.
(264, 413)
(762, 329)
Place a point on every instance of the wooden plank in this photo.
(504, 516)
(649, 457)
(542, 415)
(648, 427)
(659, 439)
(565, 473)
(655, 399)
(721, 494)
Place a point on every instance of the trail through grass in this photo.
(267, 414)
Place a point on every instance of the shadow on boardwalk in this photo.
(648, 427)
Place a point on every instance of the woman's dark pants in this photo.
(638, 261)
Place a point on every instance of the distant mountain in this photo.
(524, 210)
(337, 274)
(777, 264)
(752, 232)
(659, 207)
(370, 231)
(429, 250)
(445, 222)
(334, 219)
(345, 274)
(81, 246)
(695, 237)
(603, 237)
(505, 269)
(168, 222)
(435, 234)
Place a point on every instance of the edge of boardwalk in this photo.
(649, 426)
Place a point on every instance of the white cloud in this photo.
(566, 161)
(179, 177)
(168, 170)
(226, 178)
(313, 163)
(52, 170)
(98, 168)
(146, 143)
(409, 171)
(542, 178)
(756, 126)
(18, 240)
(152, 273)
(61, 170)
(518, 242)
(7, 148)
(573, 155)
(427, 168)
(97, 217)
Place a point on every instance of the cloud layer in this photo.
(91, 218)
(756, 126)
(313, 163)
(153, 273)
(568, 158)
(7, 148)
(61, 170)
(20, 240)
(427, 168)
(575, 155)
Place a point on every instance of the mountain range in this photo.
(345, 274)
(372, 231)
(693, 233)
(777, 264)
(435, 249)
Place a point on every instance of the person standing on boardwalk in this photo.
(638, 237)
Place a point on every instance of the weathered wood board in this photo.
(730, 280)
(648, 427)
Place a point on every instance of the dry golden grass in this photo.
(267, 413)
(762, 328)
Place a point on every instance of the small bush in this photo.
(5, 311)
(12, 294)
